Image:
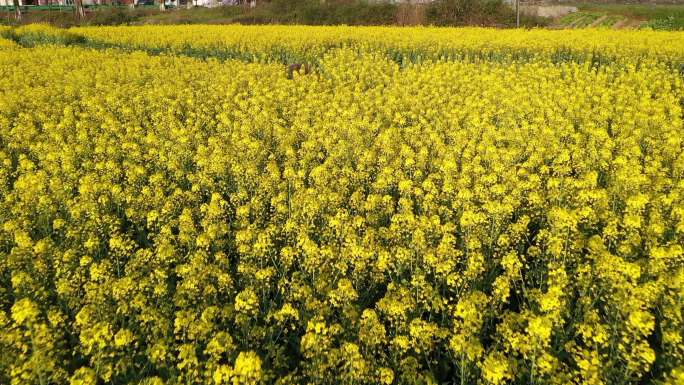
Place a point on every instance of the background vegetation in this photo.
(310, 12)
(492, 13)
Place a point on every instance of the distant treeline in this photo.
(310, 12)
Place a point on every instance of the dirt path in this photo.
(627, 24)
(598, 21)
(577, 22)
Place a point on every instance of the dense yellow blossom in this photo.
(429, 206)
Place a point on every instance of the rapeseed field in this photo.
(425, 206)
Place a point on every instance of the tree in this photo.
(162, 5)
(17, 10)
(80, 11)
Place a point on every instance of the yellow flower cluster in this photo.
(174, 220)
(410, 44)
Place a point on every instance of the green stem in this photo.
(41, 378)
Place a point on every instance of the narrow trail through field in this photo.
(598, 21)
